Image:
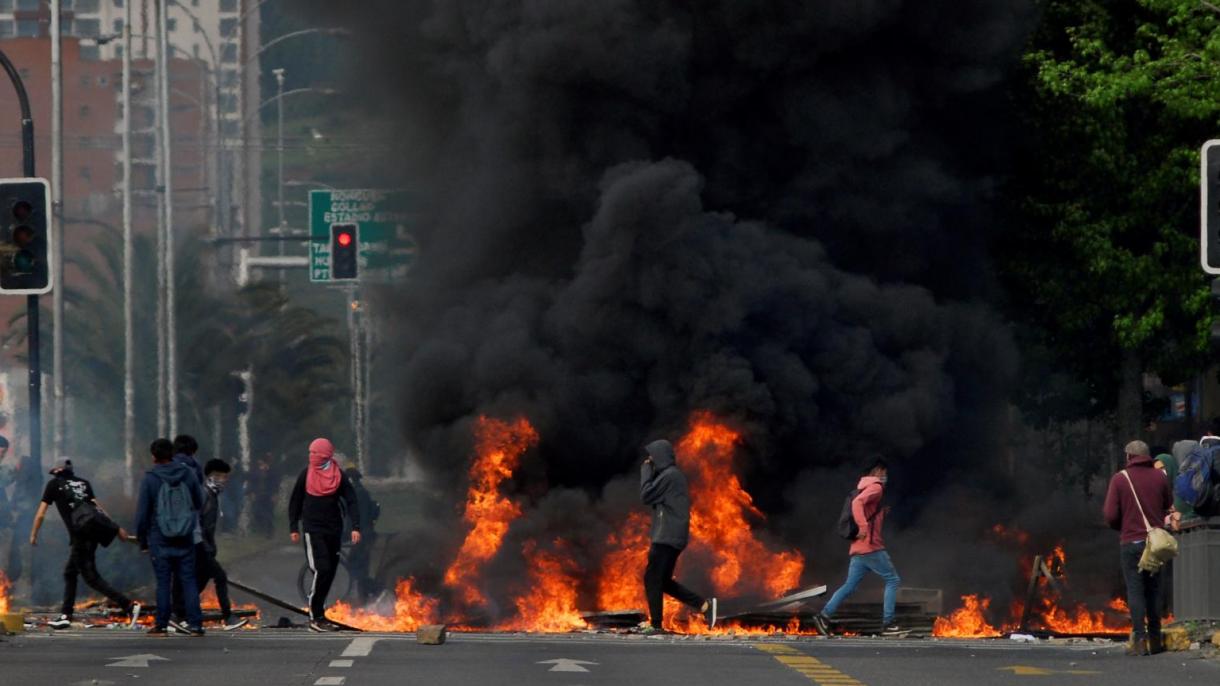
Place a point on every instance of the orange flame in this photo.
(4, 589)
(499, 446)
(968, 621)
(721, 511)
(549, 606)
(411, 611)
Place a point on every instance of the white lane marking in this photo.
(360, 647)
(564, 664)
(330, 681)
(341, 663)
(136, 660)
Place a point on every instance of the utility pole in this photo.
(129, 388)
(159, 131)
(356, 355)
(31, 317)
(171, 334)
(57, 205)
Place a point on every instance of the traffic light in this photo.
(25, 236)
(344, 252)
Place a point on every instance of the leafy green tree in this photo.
(1117, 99)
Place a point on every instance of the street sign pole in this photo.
(31, 317)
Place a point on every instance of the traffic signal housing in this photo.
(344, 252)
(25, 236)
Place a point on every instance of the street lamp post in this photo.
(279, 148)
(129, 388)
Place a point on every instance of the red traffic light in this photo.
(344, 239)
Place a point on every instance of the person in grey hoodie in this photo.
(663, 488)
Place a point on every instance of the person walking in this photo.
(316, 507)
(67, 491)
(663, 487)
(867, 550)
(1139, 495)
(207, 568)
(167, 516)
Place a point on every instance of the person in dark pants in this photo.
(207, 568)
(167, 517)
(359, 558)
(66, 491)
(185, 448)
(315, 509)
(1138, 494)
(663, 488)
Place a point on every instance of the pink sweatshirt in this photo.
(866, 508)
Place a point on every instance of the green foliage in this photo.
(1117, 99)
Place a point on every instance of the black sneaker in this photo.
(232, 624)
(822, 623)
(178, 626)
(195, 631)
(893, 630)
(158, 632)
(63, 622)
(710, 608)
(319, 626)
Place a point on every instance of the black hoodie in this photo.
(663, 488)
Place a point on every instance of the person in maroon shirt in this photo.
(1127, 515)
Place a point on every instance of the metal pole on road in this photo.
(171, 337)
(31, 317)
(57, 207)
(129, 389)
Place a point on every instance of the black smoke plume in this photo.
(631, 210)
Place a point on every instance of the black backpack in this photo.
(91, 524)
(847, 526)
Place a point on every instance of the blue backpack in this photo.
(175, 511)
(1196, 483)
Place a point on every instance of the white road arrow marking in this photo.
(563, 664)
(136, 660)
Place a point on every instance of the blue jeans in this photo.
(169, 562)
(878, 563)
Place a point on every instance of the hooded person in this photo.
(663, 487)
(320, 498)
(867, 550)
(167, 517)
(67, 491)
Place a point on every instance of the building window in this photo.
(228, 52)
(90, 53)
(86, 6)
(118, 50)
(228, 103)
(118, 3)
(118, 25)
(228, 5)
(171, 24)
(86, 173)
(28, 4)
(6, 28)
(28, 28)
(228, 78)
(228, 27)
(86, 28)
(6, 5)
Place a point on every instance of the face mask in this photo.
(215, 485)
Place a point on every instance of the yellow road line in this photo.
(807, 665)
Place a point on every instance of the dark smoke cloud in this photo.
(776, 211)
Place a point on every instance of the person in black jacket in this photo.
(663, 488)
(319, 498)
(207, 568)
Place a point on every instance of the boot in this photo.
(1137, 646)
(1156, 643)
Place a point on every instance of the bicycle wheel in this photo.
(342, 588)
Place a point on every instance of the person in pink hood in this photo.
(867, 550)
(321, 494)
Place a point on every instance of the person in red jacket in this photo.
(868, 550)
(1139, 496)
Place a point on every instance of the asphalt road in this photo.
(101, 657)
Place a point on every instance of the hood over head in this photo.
(171, 473)
(662, 453)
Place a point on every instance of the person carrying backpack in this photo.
(868, 554)
(70, 493)
(315, 508)
(1138, 496)
(166, 516)
(207, 568)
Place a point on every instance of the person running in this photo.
(663, 488)
(867, 551)
(315, 509)
(1139, 495)
(207, 568)
(167, 516)
(67, 491)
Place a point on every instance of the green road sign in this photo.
(385, 247)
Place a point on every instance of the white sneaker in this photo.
(178, 627)
(135, 615)
(62, 623)
(233, 625)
